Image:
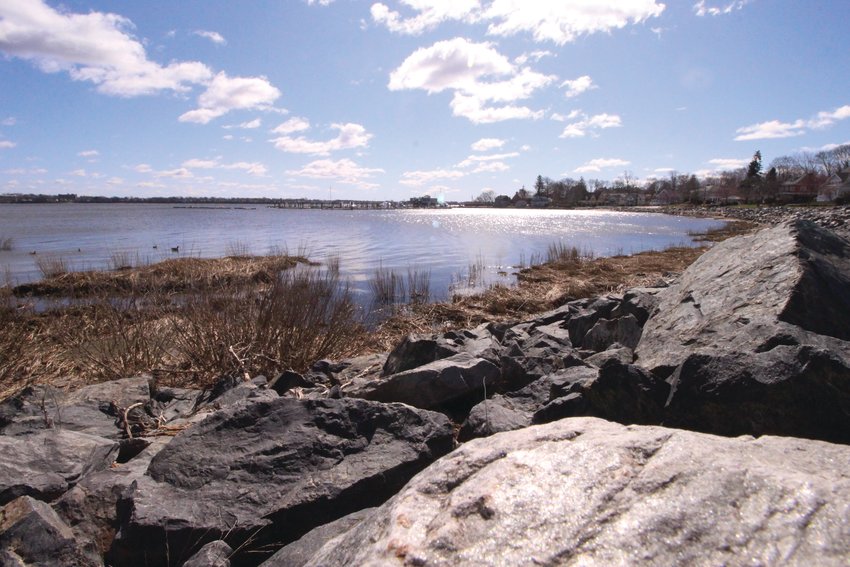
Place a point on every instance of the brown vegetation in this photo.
(231, 316)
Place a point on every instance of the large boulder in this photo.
(589, 492)
(31, 533)
(754, 339)
(418, 350)
(750, 293)
(259, 475)
(433, 385)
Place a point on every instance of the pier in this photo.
(340, 204)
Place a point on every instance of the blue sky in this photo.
(393, 99)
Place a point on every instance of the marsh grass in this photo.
(254, 321)
(51, 266)
(418, 285)
(174, 275)
(387, 286)
(237, 249)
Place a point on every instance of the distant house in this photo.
(502, 201)
(801, 189)
(837, 186)
(540, 201)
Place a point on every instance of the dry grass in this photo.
(234, 321)
(169, 276)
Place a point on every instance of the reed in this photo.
(51, 266)
(237, 249)
(387, 286)
(7, 243)
(418, 285)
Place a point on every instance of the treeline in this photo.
(751, 184)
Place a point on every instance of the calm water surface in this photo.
(446, 242)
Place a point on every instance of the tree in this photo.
(751, 185)
(540, 186)
(754, 169)
(486, 196)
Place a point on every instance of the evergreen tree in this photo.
(754, 169)
(540, 186)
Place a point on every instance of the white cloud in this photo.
(577, 86)
(485, 144)
(6, 144)
(476, 73)
(344, 170)
(558, 22)
(771, 129)
(226, 93)
(95, 47)
(350, 136)
(294, 124)
(89, 153)
(179, 173)
(214, 37)
(591, 125)
(826, 119)
(491, 167)
(319, 2)
(254, 168)
(597, 165)
(472, 160)
(776, 129)
(143, 168)
(10, 121)
(251, 124)
(558, 117)
(562, 22)
(721, 164)
(115, 181)
(430, 14)
(79, 173)
(419, 178)
(702, 9)
(533, 56)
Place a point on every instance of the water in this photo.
(445, 242)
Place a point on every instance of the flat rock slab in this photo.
(90, 409)
(584, 491)
(746, 291)
(431, 385)
(271, 471)
(46, 463)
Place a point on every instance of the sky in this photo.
(354, 99)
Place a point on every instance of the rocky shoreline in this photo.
(706, 421)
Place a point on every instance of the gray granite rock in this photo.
(32, 534)
(267, 472)
(585, 491)
(44, 464)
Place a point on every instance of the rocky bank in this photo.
(705, 421)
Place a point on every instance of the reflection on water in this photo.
(450, 243)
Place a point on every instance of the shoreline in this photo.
(538, 288)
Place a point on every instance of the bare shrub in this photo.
(303, 316)
(117, 337)
(6, 243)
(51, 266)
